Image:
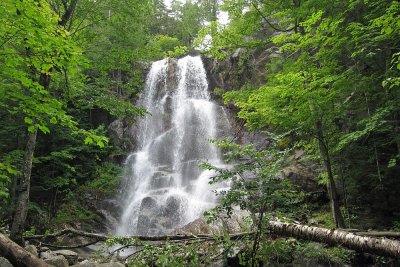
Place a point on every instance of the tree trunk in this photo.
(379, 246)
(333, 196)
(18, 256)
(21, 208)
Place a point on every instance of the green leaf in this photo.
(28, 120)
(43, 128)
(388, 30)
(31, 129)
(100, 143)
(88, 140)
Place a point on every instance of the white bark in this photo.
(379, 246)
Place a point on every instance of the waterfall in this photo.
(164, 186)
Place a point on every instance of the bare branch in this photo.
(267, 21)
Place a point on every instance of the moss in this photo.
(325, 219)
(73, 213)
(303, 253)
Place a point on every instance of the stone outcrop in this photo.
(57, 261)
(71, 256)
(237, 223)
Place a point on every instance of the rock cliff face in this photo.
(243, 67)
(247, 67)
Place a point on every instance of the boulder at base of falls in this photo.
(148, 207)
(57, 261)
(238, 222)
(44, 255)
(71, 256)
(5, 263)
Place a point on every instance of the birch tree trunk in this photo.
(379, 246)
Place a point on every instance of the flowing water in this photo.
(164, 187)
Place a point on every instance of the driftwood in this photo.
(18, 256)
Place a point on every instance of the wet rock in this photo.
(5, 263)
(301, 173)
(171, 70)
(238, 222)
(47, 254)
(148, 208)
(107, 211)
(147, 204)
(71, 256)
(88, 263)
(172, 205)
(121, 136)
(57, 261)
(161, 180)
(144, 224)
(190, 170)
(32, 249)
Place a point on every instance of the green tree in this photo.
(35, 44)
(333, 84)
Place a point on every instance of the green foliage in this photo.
(28, 96)
(277, 251)
(107, 181)
(73, 212)
(166, 46)
(30, 232)
(255, 186)
(303, 253)
(169, 254)
(254, 178)
(218, 91)
(6, 172)
(52, 81)
(320, 254)
(396, 226)
(325, 219)
(177, 52)
(333, 84)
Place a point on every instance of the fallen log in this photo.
(379, 246)
(380, 234)
(18, 256)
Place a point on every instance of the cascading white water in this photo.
(164, 187)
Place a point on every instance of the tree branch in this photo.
(267, 21)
